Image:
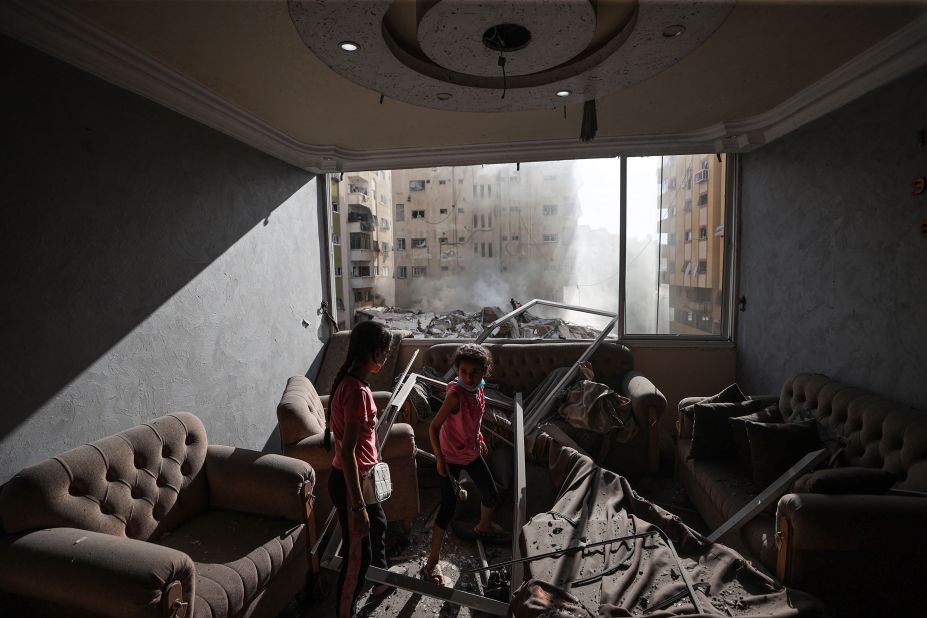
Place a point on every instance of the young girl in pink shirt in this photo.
(351, 417)
(458, 445)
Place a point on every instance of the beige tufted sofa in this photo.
(520, 367)
(861, 554)
(146, 520)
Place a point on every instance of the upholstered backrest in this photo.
(139, 483)
(520, 367)
(300, 412)
(336, 350)
(880, 433)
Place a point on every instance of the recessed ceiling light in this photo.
(564, 93)
(348, 46)
(444, 96)
(673, 31)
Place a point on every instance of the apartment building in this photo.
(505, 231)
(362, 242)
(692, 241)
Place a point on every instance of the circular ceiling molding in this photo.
(452, 34)
(445, 54)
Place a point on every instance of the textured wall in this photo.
(832, 257)
(152, 265)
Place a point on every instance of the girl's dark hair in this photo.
(366, 338)
(474, 353)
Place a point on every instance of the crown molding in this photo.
(53, 29)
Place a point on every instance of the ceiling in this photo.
(243, 68)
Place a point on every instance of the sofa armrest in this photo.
(259, 483)
(836, 536)
(648, 404)
(98, 573)
(647, 401)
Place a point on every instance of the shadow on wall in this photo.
(116, 204)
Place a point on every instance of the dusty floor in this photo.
(408, 554)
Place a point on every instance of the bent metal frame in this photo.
(332, 560)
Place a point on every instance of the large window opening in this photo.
(617, 235)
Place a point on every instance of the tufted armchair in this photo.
(154, 521)
(301, 417)
(521, 367)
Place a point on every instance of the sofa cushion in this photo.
(730, 394)
(300, 412)
(850, 480)
(712, 436)
(775, 447)
(236, 556)
(769, 414)
(138, 483)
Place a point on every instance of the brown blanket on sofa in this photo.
(626, 578)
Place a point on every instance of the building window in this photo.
(338, 271)
(418, 271)
(416, 185)
(442, 211)
(336, 239)
(400, 244)
(334, 206)
(418, 243)
(482, 249)
(515, 236)
(339, 303)
(489, 250)
(703, 199)
(702, 266)
(703, 233)
(441, 182)
(444, 269)
(359, 240)
(460, 239)
(688, 235)
(460, 211)
(482, 190)
(401, 272)
(386, 271)
(442, 240)
(504, 237)
(688, 205)
(549, 209)
(361, 296)
(687, 267)
(550, 238)
(400, 212)
(418, 214)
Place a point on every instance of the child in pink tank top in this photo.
(458, 445)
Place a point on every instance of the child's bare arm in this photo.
(451, 404)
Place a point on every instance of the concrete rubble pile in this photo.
(458, 324)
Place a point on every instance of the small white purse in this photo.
(376, 484)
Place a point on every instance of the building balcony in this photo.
(360, 226)
(701, 175)
(364, 255)
(360, 283)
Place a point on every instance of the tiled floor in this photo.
(408, 555)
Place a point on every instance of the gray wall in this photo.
(833, 262)
(152, 265)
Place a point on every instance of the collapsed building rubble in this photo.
(459, 324)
